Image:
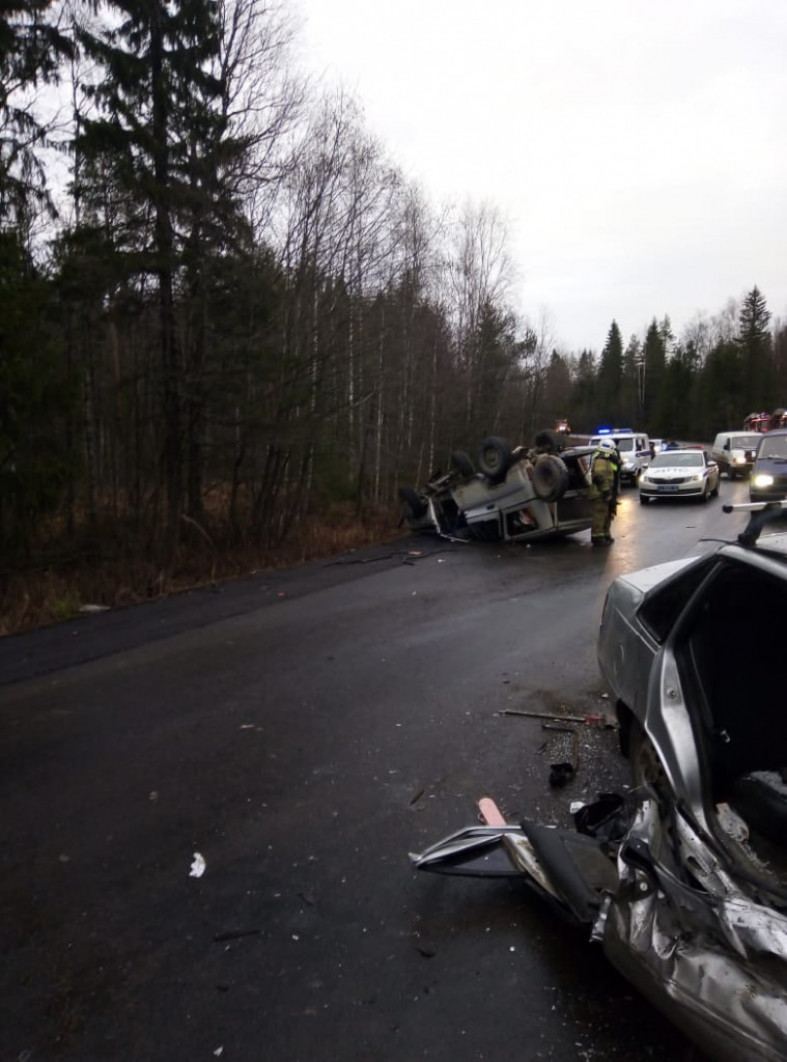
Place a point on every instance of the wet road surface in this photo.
(302, 731)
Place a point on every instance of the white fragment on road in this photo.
(219, 1051)
(198, 866)
(575, 806)
(87, 609)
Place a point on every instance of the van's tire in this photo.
(413, 502)
(494, 458)
(550, 478)
(462, 463)
(550, 440)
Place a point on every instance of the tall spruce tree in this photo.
(610, 376)
(632, 382)
(754, 343)
(31, 48)
(655, 364)
(584, 411)
(159, 129)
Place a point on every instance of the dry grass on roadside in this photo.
(43, 593)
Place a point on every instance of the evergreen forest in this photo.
(229, 323)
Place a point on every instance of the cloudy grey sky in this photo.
(636, 147)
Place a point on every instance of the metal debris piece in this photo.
(544, 715)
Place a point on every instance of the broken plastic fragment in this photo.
(198, 866)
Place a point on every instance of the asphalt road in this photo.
(303, 731)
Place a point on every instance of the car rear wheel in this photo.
(550, 440)
(550, 478)
(706, 491)
(494, 458)
(462, 463)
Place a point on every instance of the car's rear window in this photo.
(662, 606)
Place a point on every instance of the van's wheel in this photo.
(413, 502)
(462, 463)
(550, 478)
(549, 440)
(494, 458)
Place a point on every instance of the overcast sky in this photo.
(636, 147)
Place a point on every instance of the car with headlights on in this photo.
(685, 473)
(768, 480)
(734, 452)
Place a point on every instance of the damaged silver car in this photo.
(520, 493)
(684, 880)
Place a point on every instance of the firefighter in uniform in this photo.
(605, 478)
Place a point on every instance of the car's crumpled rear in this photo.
(714, 962)
(705, 942)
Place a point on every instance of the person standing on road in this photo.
(605, 477)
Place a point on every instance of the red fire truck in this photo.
(762, 422)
